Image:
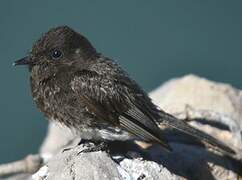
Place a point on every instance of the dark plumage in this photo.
(73, 84)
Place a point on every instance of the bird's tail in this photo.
(182, 126)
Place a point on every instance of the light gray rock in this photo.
(215, 108)
(191, 98)
(146, 170)
(70, 165)
(187, 161)
(199, 93)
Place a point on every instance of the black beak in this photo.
(23, 61)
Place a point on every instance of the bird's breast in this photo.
(58, 101)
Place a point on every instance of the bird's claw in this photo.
(102, 146)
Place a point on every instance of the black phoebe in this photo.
(74, 84)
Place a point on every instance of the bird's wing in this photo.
(166, 120)
(113, 100)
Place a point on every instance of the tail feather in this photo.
(185, 128)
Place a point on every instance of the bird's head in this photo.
(59, 48)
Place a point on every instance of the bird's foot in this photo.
(93, 147)
(118, 150)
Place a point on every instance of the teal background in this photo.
(153, 40)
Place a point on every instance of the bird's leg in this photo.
(102, 146)
(93, 146)
(113, 147)
(116, 149)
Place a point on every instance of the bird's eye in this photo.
(56, 54)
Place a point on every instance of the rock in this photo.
(177, 94)
(146, 170)
(189, 97)
(215, 108)
(194, 98)
(195, 162)
(70, 165)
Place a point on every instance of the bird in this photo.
(75, 85)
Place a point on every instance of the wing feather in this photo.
(111, 101)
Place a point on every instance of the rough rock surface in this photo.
(215, 108)
(147, 170)
(218, 106)
(72, 164)
(176, 95)
(96, 165)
